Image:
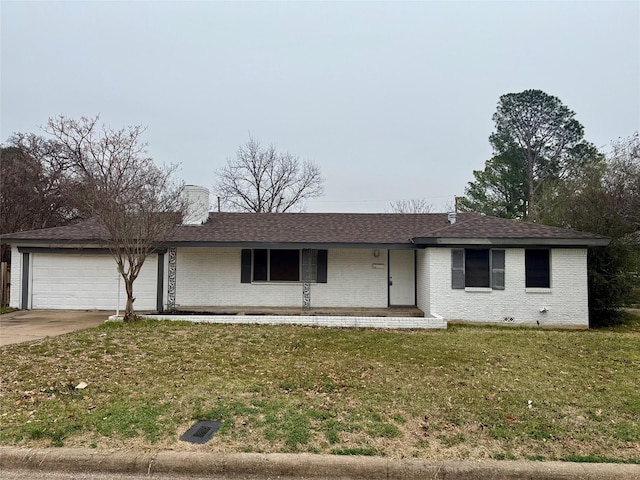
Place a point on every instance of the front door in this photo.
(402, 278)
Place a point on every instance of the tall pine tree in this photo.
(537, 143)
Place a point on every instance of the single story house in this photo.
(447, 267)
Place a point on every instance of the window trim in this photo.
(537, 290)
(478, 289)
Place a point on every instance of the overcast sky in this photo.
(392, 100)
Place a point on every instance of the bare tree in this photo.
(264, 180)
(34, 187)
(136, 204)
(623, 179)
(413, 205)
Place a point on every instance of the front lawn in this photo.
(463, 393)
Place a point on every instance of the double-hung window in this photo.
(537, 268)
(284, 265)
(477, 268)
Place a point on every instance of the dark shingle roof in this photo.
(86, 231)
(477, 226)
(311, 228)
(334, 228)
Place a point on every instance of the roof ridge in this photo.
(471, 215)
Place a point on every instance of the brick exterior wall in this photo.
(312, 320)
(422, 281)
(211, 277)
(565, 302)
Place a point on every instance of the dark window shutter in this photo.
(245, 268)
(497, 269)
(322, 266)
(457, 268)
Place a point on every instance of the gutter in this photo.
(512, 242)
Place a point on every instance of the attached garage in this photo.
(85, 280)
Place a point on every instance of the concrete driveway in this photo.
(27, 325)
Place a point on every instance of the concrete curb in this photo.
(301, 466)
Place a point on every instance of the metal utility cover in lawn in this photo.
(201, 432)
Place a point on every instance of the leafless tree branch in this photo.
(414, 205)
(264, 180)
(136, 203)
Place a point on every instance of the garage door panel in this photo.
(88, 282)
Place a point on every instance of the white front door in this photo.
(402, 278)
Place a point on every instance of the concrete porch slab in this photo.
(399, 312)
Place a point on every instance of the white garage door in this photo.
(88, 282)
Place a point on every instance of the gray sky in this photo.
(392, 100)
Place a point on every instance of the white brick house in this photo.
(467, 267)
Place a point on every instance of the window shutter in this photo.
(497, 269)
(245, 268)
(457, 268)
(322, 266)
(309, 265)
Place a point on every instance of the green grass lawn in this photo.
(462, 393)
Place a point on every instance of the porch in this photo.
(397, 312)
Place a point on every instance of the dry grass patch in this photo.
(466, 392)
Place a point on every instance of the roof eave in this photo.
(515, 242)
(293, 245)
(19, 241)
(411, 244)
(235, 244)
